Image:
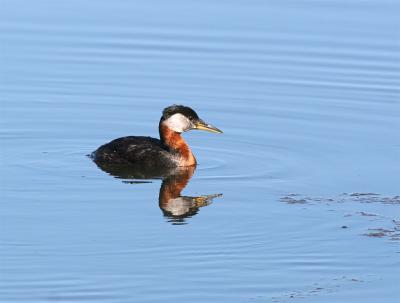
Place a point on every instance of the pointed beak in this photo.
(201, 125)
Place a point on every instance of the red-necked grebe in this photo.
(170, 151)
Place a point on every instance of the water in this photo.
(307, 94)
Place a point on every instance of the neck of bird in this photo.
(175, 141)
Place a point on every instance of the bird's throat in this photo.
(175, 141)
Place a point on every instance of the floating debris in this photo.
(393, 233)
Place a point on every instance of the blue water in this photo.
(308, 96)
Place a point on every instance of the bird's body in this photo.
(135, 150)
(148, 153)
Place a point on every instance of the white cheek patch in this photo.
(178, 123)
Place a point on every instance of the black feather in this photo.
(179, 109)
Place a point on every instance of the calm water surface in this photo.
(305, 176)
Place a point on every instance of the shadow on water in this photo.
(175, 207)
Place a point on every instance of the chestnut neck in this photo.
(175, 141)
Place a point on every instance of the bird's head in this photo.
(179, 118)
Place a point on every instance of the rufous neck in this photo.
(176, 142)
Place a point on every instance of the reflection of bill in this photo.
(174, 206)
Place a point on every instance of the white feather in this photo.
(178, 123)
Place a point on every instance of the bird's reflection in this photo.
(175, 207)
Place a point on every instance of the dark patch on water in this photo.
(318, 289)
(379, 232)
(392, 234)
(343, 198)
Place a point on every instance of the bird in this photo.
(149, 154)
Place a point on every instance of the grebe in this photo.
(147, 153)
